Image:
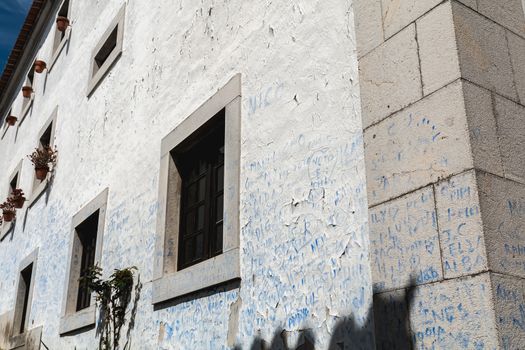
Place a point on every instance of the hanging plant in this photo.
(27, 91)
(113, 297)
(8, 211)
(40, 66)
(43, 159)
(11, 120)
(17, 198)
(62, 23)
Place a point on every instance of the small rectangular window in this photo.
(108, 49)
(87, 236)
(24, 294)
(25, 285)
(13, 184)
(78, 310)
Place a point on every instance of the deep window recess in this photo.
(45, 139)
(200, 161)
(13, 184)
(87, 235)
(59, 36)
(106, 49)
(25, 286)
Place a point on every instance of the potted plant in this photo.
(17, 198)
(42, 159)
(40, 66)
(27, 91)
(11, 120)
(8, 211)
(62, 23)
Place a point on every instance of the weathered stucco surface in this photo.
(304, 242)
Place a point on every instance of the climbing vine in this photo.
(113, 296)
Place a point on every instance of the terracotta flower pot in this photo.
(11, 120)
(8, 216)
(40, 66)
(62, 23)
(26, 91)
(19, 202)
(41, 173)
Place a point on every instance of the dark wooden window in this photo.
(26, 287)
(87, 235)
(200, 161)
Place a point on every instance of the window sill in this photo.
(29, 339)
(37, 192)
(209, 273)
(78, 320)
(5, 229)
(59, 49)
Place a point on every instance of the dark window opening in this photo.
(13, 184)
(200, 161)
(25, 282)
(106, 49)
(45, 139)
(63, 12)
(31, 77)
(87, 235)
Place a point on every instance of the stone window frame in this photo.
(168, 281)
(16, 338)
(72, 320)
(6, 226)
(95, 78)
(38, 188)
(57, 47)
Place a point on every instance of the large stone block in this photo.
(509, 304)
(397, 14)
(368, 25)
(482, 129)
(517, 53)
(389, 77)
(461, 227)
(503, 212)
(511, 132)
(483, 51)
(454, 314)
(418, 146)
(508, 13)
(404, 242)
(437, 48)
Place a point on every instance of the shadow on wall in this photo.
(392, 329)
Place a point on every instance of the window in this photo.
(60, 38)
(45, 138)
(198, 227)
(14, 180)
(85, 252)
(200, 162)
(107, 51)
(24, 294)
(87, 237)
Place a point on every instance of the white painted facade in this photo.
(303, 207)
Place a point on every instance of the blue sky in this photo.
(12, 16)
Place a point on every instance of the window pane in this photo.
(190, 222)
(220, 178)
(188, 250)
(199, 246)
(200, 217)
(219, 206)
(202, 188)
(192, 194)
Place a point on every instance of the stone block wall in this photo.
(442, 90)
